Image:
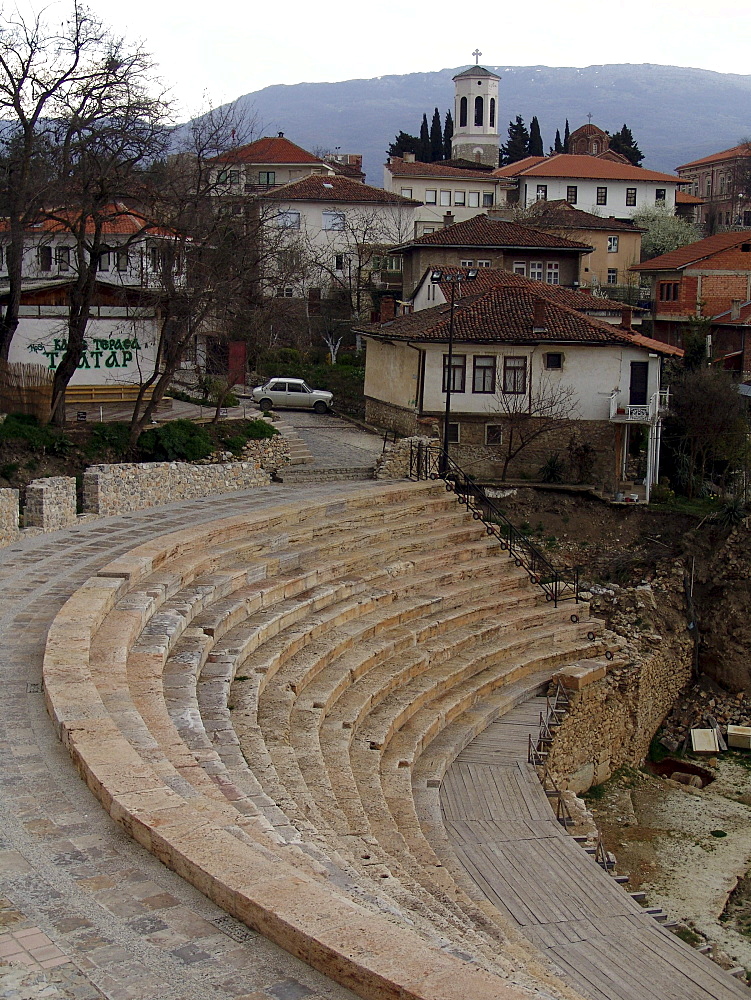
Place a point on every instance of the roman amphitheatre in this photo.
(274, 744)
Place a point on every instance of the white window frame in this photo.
(613, 244)
(466, 263)
(333, 221)
(483, 263)
(520, 267)
(552, 272)
(406, 192)
(287, 218)
(612, 276)
(536, 270)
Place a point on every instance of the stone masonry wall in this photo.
(117, 489)
(612, 720)
(8, 516)
(50, 503)
(394, 462)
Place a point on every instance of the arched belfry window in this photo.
(492, 112)
(463, 113)
(478, 110)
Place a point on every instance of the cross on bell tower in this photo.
(477, 55)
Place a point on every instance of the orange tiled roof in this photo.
(270, 149)
(480, 231)
(727, 154)
(744, 319)
(335, 189)
(506, 315)
(492, 277)
(581, 165)
(119, 220)
(400, 168)
(692, 253)
(684, 198)
(561, 213)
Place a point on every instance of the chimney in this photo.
(586, 289)
(281, 135)
(539, 317)
(448, 220)
(409, 157)
(626, 314)
(735, 309)
(388, 309)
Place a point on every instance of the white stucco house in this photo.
(592, 183)
(332, 233)
(514, 355)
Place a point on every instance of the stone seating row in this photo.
(351, 634)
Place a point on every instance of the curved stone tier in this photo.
(251, 698)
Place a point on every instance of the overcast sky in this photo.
(212, 52)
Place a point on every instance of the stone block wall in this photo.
(612, 720)
(8, 516)
(394, 463)
(50, 503)
(117, 489)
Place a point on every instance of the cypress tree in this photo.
(535, 138)
(558, 147)
(404, 143)
(436, 138)
(566, 137)
(517, 145)
(624, 143)
(424, 154)
(448, 134)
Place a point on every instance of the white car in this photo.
(293, 393)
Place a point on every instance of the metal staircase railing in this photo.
(427, 461)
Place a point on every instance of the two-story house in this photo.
(482, 242)
(515, 361)
(710, 279)
(441, 188)
(262, 165)
(334, 235)
(595, 184)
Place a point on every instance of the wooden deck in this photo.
(505, 834)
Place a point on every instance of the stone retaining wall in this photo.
(394, 462)
(8, 516)
(612, 718)
(117, 489)
(50, 503)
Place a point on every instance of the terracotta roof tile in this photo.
(480, 231)
(506, 315)
(270, 149)
(744, 318)
(335, 189)
(119, 220)
(727, 154)
(562, 214)
(684, 198)
(692, 253)
(580, 165)
(492, 277)
(400, 168)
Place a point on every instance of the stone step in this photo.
(322, 475)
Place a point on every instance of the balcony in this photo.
(623, 412)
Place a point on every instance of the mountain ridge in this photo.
(676, 114)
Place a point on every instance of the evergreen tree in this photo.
(535, 138)
(624, 143)
(566, 137)
(448, 134)
(404, 143)
(517, 145)
(424, 154)
(558, 147)
(436, 138)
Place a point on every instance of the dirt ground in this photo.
(688, 849)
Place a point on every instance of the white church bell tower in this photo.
(476, 135)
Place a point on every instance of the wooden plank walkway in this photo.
(504, 832)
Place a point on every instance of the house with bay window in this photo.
(511, 353)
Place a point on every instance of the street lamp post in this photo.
(454, 279)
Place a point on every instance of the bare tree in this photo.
(531, 412)
(70, 96)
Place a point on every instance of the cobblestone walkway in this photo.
(84, 911)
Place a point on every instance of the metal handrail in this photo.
(428, 461)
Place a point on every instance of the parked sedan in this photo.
(292, 393)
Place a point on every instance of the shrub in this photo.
(553, 470)
(26, 428)
(9, 469)
(113, 437)
(731, 513)
(178, 440)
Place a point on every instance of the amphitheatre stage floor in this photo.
(90, 911)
